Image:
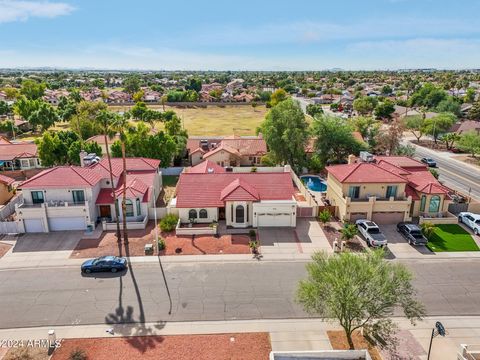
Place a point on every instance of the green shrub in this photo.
(253, 169)
(252, 233)
(169, 222)
(77, 354)
(324, 216)
(161, 244)
(349, 232)
(427, 229)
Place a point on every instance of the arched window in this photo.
(192, 214)
(239, 214)
(139, 208)
(203, 214)
(422, 203)
(129, 206)
(434, 204)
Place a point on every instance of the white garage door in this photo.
(274, 219)
(67, 223)
(33, 225)
(387, 217)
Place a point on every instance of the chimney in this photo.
(352, 159)
(83, 154)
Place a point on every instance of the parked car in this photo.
(471, 220)
(371, 232)
(429, 161)
(104, 263)
(412, 233)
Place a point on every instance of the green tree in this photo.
(428, 96)
(474, 112)
(449, 139)
(434, 172)
(131, 84)
(385, 109)
(439, 125)
(24, 107)
(5, 109)
(285, 131)
(334, 140)
(76, 147)
(470, 95)
(388, 140)
(349, 231)
(43, 117)
(359, 291)
(269, 160)
(84, 122)
(449, 105)
(387, 90)
(194, 84)
(277, 97)
(139, 110)
(470, 142)
(415, 124)
(365, 105)
(314, 109)
(32, 90)
(138, 96)
(52, 150)
(66, 108)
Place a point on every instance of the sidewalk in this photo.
(286, 335)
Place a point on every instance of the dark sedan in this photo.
(429, 162)
(104, 263)
(412, 233)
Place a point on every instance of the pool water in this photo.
(314, 183)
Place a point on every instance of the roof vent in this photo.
(210, 170)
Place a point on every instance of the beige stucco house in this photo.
(6, 189)
(390, 189)
(207, 193)
(228, 151)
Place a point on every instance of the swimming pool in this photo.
(314, 183)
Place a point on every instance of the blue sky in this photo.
(240, 35)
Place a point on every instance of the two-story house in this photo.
(19, 156)
(78, 198)
(387, 190)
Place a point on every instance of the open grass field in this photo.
(216, 120)
(451, 237)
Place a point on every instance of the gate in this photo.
(456, 208)
(306, 211)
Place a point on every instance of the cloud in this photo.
(12, 10)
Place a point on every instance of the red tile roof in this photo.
(139, 185)
(6, 180)
(133, 164)
(100, 139)
(206, 167)
(239, 189)
(364, 173)
(17, 151)
(4, 140)
(222, 147)
(401, 161)
(205, 190)
(254, 146)
(63, 177)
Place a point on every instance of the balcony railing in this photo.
(377, 198)
(53, 204)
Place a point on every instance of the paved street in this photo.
(217, 291)
(454, 173)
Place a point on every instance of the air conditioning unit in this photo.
(365, 156)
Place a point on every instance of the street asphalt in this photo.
(453, 173)
(208, 291)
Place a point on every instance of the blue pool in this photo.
(314, 183)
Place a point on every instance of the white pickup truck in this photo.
(371, 232)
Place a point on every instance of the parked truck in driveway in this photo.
(371, 233)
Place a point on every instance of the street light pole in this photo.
(430, 346)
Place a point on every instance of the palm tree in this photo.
(122, 124)
(106, 119)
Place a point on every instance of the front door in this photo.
(221, 213)
(105, 211)
(239, 214)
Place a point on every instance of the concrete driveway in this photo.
(306, 238)
(53, 241)
(399, 247)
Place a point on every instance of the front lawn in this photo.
(451, 237)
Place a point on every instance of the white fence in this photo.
(9, 208)
(161, 213)
(131, 225)
(9, 227)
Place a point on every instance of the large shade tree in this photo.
(286, 131)
(359, 291)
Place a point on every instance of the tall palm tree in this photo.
(106, 119)
(122, 124)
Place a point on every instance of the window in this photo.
(203, 214)
(24, 163)
(391, 191)
(240, 214)
(37, 197)
(129, 206)
(354, 192)
(31, 162)
(434, 204)
(422, 203)
(139, 208)
(78, 196)
(192, 214)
